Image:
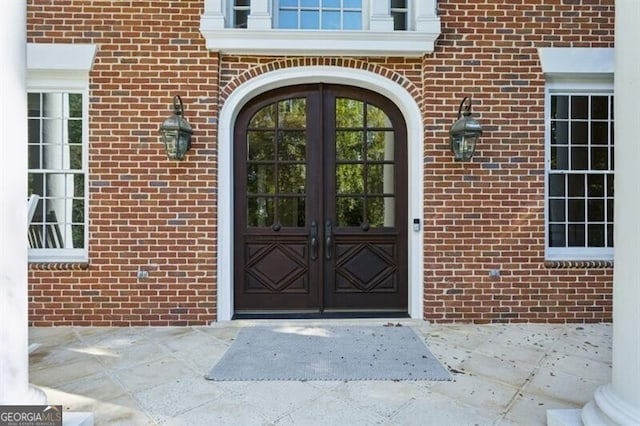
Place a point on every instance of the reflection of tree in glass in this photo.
(75, 150)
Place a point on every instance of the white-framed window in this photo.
(579, 171)
(321, 27)
(57, 113)
(57, 172)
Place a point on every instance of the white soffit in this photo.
(562, 62)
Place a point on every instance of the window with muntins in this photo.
(399, 28)
(57, 174)
(580, 165)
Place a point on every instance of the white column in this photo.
(260, 15)
(14, 332)
(618, 403)
(380, 16)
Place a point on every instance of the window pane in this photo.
(353, 4)
(349, 211)
(352, 21)
(75, 156)
(595, 184)
(576, 235)
(399, 21)
(75, 105)
(77, 235)
(309, 20)
(599, 133)
(288, 19)
(609, 235)
(556, 211)
(556, 185)
(599, 107)
(600, 158)
(398, 4)
(596, 235)
(74, 131)
(595, 210)
(33, 104)
(579, 159)
(579, 107)
(52, 105)
(579, 133)
(331, 3)
(557, 236)
(575, 210)
(575, 185)
(610, 185)
(310, 3)
(559, 133)
(609, 210)
(331, 20)
(241, 19)
(559, 158)
(559, 107)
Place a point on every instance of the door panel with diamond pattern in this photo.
(320, 207)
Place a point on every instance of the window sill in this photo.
(325, 43)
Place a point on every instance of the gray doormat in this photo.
(327, 353)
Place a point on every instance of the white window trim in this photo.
(46, 72)
(573, 71)
(378, 39)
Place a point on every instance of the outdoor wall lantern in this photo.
(176, 132)
(464, 133)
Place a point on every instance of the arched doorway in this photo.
(253, 87)
(320, 202)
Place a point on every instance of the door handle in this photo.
(328, 241)
(314, 240)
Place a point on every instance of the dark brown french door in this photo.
(320, 202)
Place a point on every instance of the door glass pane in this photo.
(349, 113)
(380, 146)
(349, 145)
(291, 179)
(380, 179)
(292, 113)
(377, 118)
(265, 118)
(349, 179)
(261, 145)
(261, 179)
(291, 211)
(292, 145)
(380, 211)
(260, 211)
(349, 211)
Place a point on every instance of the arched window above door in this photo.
(311, 27)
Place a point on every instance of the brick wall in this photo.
(149, 213)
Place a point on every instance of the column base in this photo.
(31, 396)
(607, 408)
